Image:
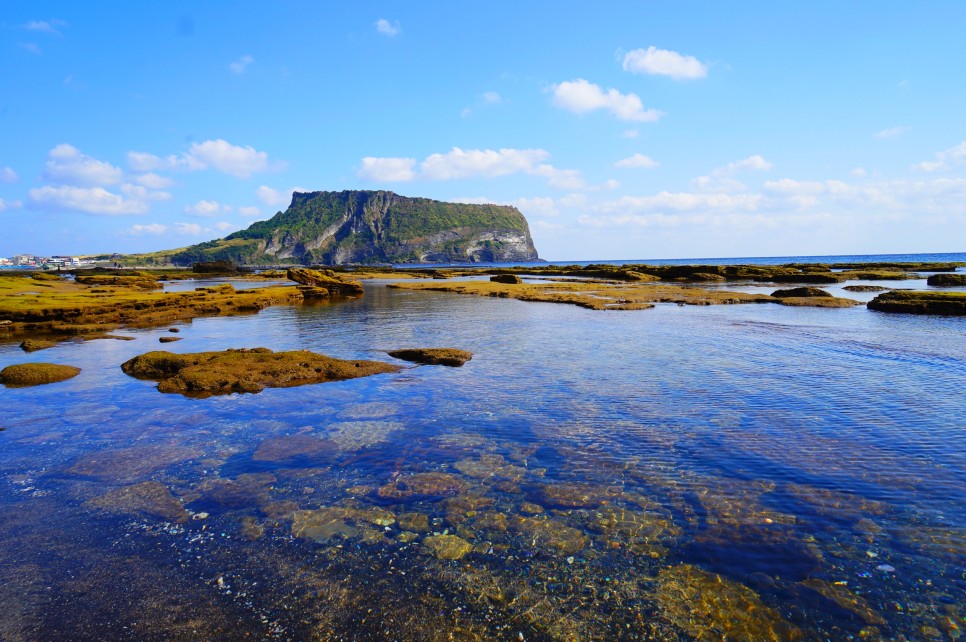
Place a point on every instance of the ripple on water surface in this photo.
(777, 473)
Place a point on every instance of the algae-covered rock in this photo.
(865, 288)
(490, 466)
(447, 547)
(324, 524)
(506, 278)
(423, 485)
(848, 600)
(33, 345)
(168, 339)
(434, 356)
(416, 522)
(800, 292)
(325, 279)
(705, 277)
(203, 374)
(947, 279)
(550, 535)
(916, 302)
(150, 498)
(573, 495)
(819, 301)
(286, 447)
(35, 374)
(709, 608)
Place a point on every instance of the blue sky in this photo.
(622, 131)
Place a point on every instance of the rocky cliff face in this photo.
(375, 227)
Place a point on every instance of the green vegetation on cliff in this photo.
(373, 227)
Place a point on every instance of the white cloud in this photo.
(236, 160)
(187, 229)
(206, 209)
(891, 132)
(154, 181)
(537, 206)
(230, 159)
(858, 172)
(44, 26)
(471, 163)
(581, 97)
(717, 184)
(250, 211)
(630, 133)
(492, 98)
(755, 162)
(13, 205)
(31, 47)
(637, 161)
(145, 162)
(155, 229)
(387, 28)
(661, 62)
(273, 197)
(224, 226)
(94, 200)
(387, 169)
(141, 193)
(561, 178)
(788, 186)
(488, 163)
(7, 175)
(241, 65)
(683, 201)
(66, 164)
(953, 155)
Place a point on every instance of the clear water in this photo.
(674, 473)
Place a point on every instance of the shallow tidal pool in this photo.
(746, 472)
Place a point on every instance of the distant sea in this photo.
(946, 257)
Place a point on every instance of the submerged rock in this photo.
(331, 522)
(550, 535)
(151, 498)
(572, 495)
(32, 345)
(708, 607)
(35, 374)
(434, 356)
(423, 485)
(202, 374)
(278, 449)
(447, 547)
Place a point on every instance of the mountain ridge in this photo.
(373, 226)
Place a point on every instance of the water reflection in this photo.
(759, 472)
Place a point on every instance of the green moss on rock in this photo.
(917, 302)
(434, 356)
(36, 374)
(203, 374)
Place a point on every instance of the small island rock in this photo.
(36, 374)
(799, 292)
(434, 356)
(202, 374)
